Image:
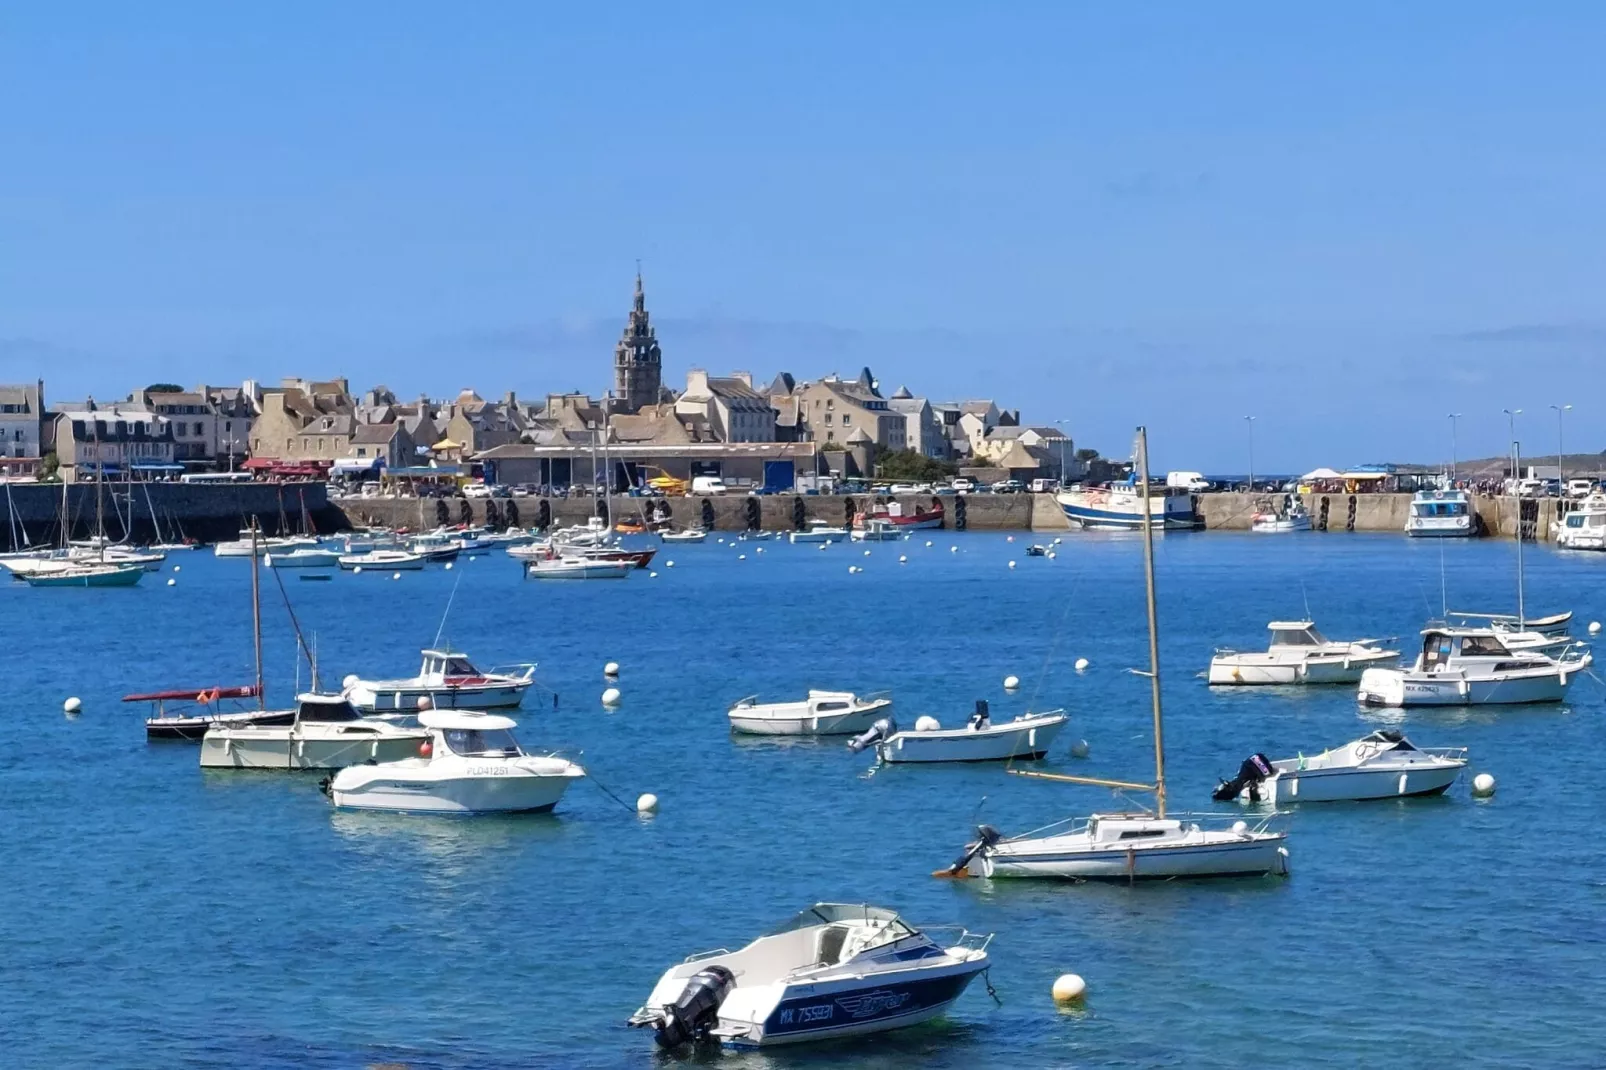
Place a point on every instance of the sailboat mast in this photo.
(1154, 624)
(256, 614)
(1516, 470)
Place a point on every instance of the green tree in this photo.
(911, 465)
(49, 467)
(165, 388)
(1087, 456)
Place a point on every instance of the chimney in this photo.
(746, 378)
(697, 382)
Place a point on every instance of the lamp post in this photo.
(1250, 420)
(1454, 416)
(1561, 476)
(1511, 450)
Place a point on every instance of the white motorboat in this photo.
(819, 531)
(303, 557)
(449, 681)
(241, 547)
(1474, 667)
(1520, 633)
(470, 764)
(1122, 505)
(379, 560)
(688, 535)
(981, 740)
(835, 970)
(577, 568)
(435, 546)
(877, 529)
(1382, 765)
(1299, 654)
(1268, 519)
(1442, 514)
(327, 733)
(822, 713)
(1584, 527)
(1130, 846)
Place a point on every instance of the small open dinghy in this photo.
(981, 740)
(470, 764)
(1383, 765)
(835, 970)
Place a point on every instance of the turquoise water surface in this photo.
(158, 916)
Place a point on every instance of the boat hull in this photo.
(1393, 687)
(1101, 509)
(1460, 527)
(827, 724)
(858, 1006)
(193, 729)
(1357, 785)
(601, 570)
(1250, 857)
(1027, 741)
(1252, 671)
(1281, 526)
(120, 576)
(404, 698)
(233, 752)
(375, 788)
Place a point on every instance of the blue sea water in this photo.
(158, 916)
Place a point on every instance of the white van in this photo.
(708, 485)
(1191, 481)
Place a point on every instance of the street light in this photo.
(1511, 450)
(1454, 416)
(1250, 420)
(1561, 410)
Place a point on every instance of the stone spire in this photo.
(637, 360)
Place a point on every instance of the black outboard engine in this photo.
(696, 1012)
(980, 719)
(1255, 768)
(885, 728)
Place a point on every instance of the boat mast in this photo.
(1516, 470)
(100, 503)
(1154, 624)
(256, 613)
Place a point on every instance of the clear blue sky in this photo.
(1347, 222)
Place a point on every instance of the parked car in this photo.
(1008, 486)
(964, 485)
(709, 485)
(903, 488)
(1044, 486)
(476, 490)
(1580, 488)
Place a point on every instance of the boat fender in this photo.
(425, 749)
(882, 729)
(696, 1012)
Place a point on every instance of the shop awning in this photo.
(156, 466)
(260, 463)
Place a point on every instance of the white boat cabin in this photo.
(1295, 633)
(446, 665)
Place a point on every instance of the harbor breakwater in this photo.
(153, 512)
(1536, 517)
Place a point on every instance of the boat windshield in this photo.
(325, 710)
(1295, 637)
(834, 913)
(460, 667)
(481, 743)
(1482, 646)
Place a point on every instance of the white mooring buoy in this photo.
(1012, 564)
(1594, 627)
(448, 566)
(72, 705)
(647, 803)
(1068, 988)
(397, 575)
(1081, 665)
(1079, 749)
(178, 568)
(669, 564)
(1011, 683)
(171, 582)
(611, 697)
(1483, 785)
(611, 669)
(349, 680)
(903, 559)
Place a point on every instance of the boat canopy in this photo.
(314, 707)
(1391, 738)
(466, 721)
(834, 913)
(1295, 633)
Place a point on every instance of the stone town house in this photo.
(22, 410)
(113, 442)
(733, 410)
(211, 425)
(833, 409)
(304, 422)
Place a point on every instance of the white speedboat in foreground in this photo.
(1474, 667)
(823, 713)
(471, 764)
(379, 560)
(1383, 765)
(981, 740)
(327, 733)
(1299, 654)
(819, 531)
(835, 970)
(448, 680)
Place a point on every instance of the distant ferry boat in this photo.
(1120, 505)
(1444, 514)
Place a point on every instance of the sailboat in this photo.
(73, 568)
(1132, 845)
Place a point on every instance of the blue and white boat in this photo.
(835, 970)
(1442, 514)
(1120, 505)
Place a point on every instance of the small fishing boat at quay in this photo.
(1381, 765)
(1474, 667)
(469, 764)
(302, 557)
(822, 713)
(819, 531)
(185, 714)
(834, 970)
(1130, 846)
(1270, 519)
(877, 529)
(448, 680)
(379, 560)
(1442, 514)
(325, 732)
(1122, 506)
(1584, 526)
(1298, 654)
(1025, 738)
(894, 513)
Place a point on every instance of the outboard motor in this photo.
(980, 719)
(1255, 768)
(696, 1012)
(885, 728)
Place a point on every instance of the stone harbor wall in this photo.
(1387, 512)
(150, 512)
